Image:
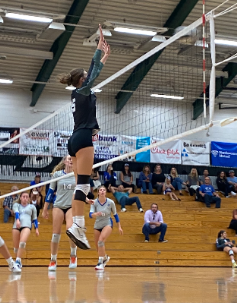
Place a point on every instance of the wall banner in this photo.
(166, 153)
(224, 154)
(195, 152)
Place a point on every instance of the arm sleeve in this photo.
(113, 208)
(53, 184)
(141, 176)
(94, 72)
(35, 223)
(15, 208)
(160, 219)
(49, 196)
(146, 217)
(5, 202)
(92, 210)
(105, 176)
(34, 213)
(218, 244)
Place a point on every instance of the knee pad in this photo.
(15, 250)
(83, 187)
(101, 243)
(231, 252)
(22, 245)
(56, 238)
(1, 242)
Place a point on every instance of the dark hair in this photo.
(112, 171)
(73, 77)
(148, 168)
(224, 175)
(154, 204)
(156, 167)
(221, 232)
(124, 172)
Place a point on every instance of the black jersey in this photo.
(84, 99)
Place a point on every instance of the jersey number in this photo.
(73, 106)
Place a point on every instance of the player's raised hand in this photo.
(101, 41)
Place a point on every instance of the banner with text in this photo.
(126, 145)
(7, 133)
(106, 146)
(36, 142)
(142, 142)
(60, 143)
(224, 154)
(195, 152)
(166, 153)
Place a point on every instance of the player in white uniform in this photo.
(101, 210)
(5, 253)
(62, 209)
(25, 214)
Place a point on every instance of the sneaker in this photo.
(73, 262)
(52, 265)
(106, 260)
(19, 264)
(123, 210)
(141, 210)
(234, 265)
(99, 266)
(233, 193)
(17, 268)
(146, 241)
(163, 241)
(77, 235)
(11, 265)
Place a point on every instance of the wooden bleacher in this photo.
(192, 230)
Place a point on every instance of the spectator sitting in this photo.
(167, 188)
(158, 179)
(233, 222)
(37, 180)
(193, 182)
(110, 177)
(207, 191)
(96, 178)
(8, 204)
(154, 223)
(121, 194)
(126, 177)
(145, 180)
(176, 181)
(36, 199)
(232, 180)
(202, 178)
(222, 243)
(223, 185)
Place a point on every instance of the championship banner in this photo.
(7, 133)
(224, 154)
(36, 142)
(106, 146)
(60, 143)
(126, 145)
(195, 152)
(166, 153)
(142, 142)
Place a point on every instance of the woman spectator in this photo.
(222, 243)
(101, 211)
(110, 177)
(167, 188)
(233, 222)
(25, 214)
(158, 179)
(96, 178)
(193, 181)
(176, 181)
(36, 199)
(223, 185)
(145, 180)
(127, 178)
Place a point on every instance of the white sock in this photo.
(233, 261)
(53, 257)
(18, 259)
(9, 261)
(73, 251)
(101, 259)
(79, 221)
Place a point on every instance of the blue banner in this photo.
(224, 154)
(142, 142)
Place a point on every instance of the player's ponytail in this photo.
(72, 78)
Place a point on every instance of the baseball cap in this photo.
(37, 175)
(126, 164)
(231, 171)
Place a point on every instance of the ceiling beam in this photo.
(73, 17)
(26, 52)
(221, 84)
(176, 19)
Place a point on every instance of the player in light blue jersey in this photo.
(25, 214)
(101, 211)
(62, 209)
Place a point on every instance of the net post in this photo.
(212, 87)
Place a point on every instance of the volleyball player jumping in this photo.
(80, 146)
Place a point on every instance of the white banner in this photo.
(195, 152)
(36, 142)
(60, 143)
(106, 146)
(126, 145)
(167, 153)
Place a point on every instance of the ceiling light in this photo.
(200, 43)
(226, 42)
(167, 97)
(1, 19)
(6, 81)
(134, 31)
(105, 32)
(158, 38)
(97, 90)
(70, 87)
(28, 18)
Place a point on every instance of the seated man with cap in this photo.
(232, 180)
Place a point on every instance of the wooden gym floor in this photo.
(120, 285)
